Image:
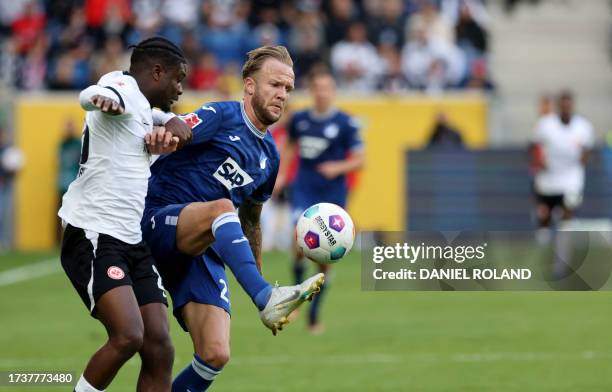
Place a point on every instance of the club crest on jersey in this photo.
(191, 119)
(331, 131)
(115, 273)
(231, 175)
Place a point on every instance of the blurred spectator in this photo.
(436, 26)
(340, 14)
(74, 32)
(191, 47)
(33, 68)
(355, 60)
(112, 58)
(452, 10)
(8, 61)
(205, 74)
(179, 16)
(432, 65)
(267, 33)
(470, 34)
(147, 19)
(83, 38)
(72, 69)
(443, 135)
(225, 32)
(107, 17)
(69, 157)
(393, 80)
(478, 77)
(11, 10)
(307, 42)
(389, 27)
(28, 26)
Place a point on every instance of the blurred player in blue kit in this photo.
(328, 144)
(192, 225)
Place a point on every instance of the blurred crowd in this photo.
(371, 45)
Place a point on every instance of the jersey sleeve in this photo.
(204, 122)
(120, 90)
(264, 192)
(352, 139)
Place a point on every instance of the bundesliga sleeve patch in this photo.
(191, 119)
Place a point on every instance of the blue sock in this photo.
(235, 251)
(196, 377)
(298, 271)
(313, 316)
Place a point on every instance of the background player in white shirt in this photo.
(102, 250)
(560, 151)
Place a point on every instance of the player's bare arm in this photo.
(333, 169)
(249, 214)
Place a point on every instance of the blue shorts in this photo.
(300, 201)
(199, 279)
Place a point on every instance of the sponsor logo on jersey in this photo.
(209, 108)
(191, 119)
(311, 147)
(262, 162)
(234, 138)
(115, 273)
(231, 175)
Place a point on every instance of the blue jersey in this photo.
(227, 158)
(330, 138)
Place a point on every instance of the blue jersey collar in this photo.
(249, 124)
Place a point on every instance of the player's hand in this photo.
(330, 169)
(107, 105)
(179, 129)
(160, 141)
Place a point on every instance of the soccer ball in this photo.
(325, 233)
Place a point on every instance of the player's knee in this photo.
(222, 206)
(216, 354)
(127, 343)
(158, 347)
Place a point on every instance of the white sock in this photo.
(84, 386)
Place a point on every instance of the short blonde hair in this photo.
(257, 57)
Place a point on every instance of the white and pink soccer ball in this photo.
(325, 233)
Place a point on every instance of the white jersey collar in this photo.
(249, 124)
(323, 116)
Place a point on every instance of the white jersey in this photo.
(562, 146)
(108, 195)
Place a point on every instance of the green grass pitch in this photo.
(374, 341)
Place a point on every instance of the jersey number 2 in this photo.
(224, 291)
